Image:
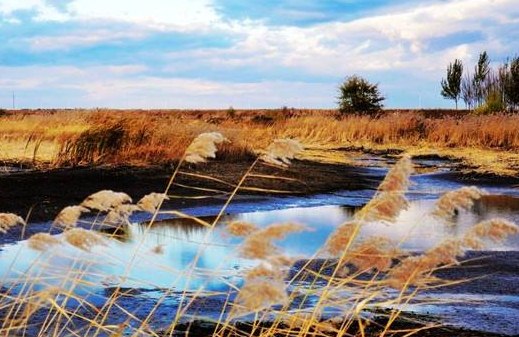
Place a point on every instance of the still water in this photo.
(163, 255)
(155, 264)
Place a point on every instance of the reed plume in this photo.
(10, 220)
(281, 151)
(203, 147)
(342, 238)
(374, 253)
(385, 206)
(258, 245)
(412, 269)
(390, 199)
(240, 228)
(451, 202)
(105, 200)
(120, 214)
(42, 241)
(158, 249)
(263, 287)
(397, 179)
(40, 299)
(69, 216)
(496, 230)
(150, 202)
(83, 239)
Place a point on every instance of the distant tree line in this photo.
(486, 90)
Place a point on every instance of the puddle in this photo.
(174, 255)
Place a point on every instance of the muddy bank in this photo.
(42, 194)
(404, 326)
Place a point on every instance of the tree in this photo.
(358, 95)
(451, 87)
(467, 91)
(480, 74)
(511, 85)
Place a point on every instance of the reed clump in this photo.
(150, 202)
(203, 147)
(120, 214)
(292, 297)
(411, 270)
(263, 287)
(106, 200)
(281, 151)
(83, 239)
(452, 202)
(259, 244)
(42, 241)
(390, 198)
(69, 216)
(10, 220)
(240, 228)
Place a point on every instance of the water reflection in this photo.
(182, 254)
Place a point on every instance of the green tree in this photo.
(467, 91)
(480, 74)
(511, 85)
(358, 95)
(451, 87)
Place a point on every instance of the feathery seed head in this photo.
(412, 269)
(281, 151)
(452, 201)
(258, 245)
(203, 147)
(42, 241)
(158, 249)
(150, 202)
(397, 179)
(69, 216)
(342, 238)
(496, 230)
(374, 253)
(240, 228)
(263, 287)
(83, 239)
(9, 220)
(384, 206)
(120, 214)
(105, 200)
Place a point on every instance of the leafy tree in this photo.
(480, 74)
(451, 87)
(467, 91)
(358, 95)
(511, 85)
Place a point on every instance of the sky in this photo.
(244, 54)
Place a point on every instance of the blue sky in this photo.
(245, 54)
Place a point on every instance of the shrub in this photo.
(358, 95)
(493, 103)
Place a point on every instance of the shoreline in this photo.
(41, 194)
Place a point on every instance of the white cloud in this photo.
(396, 40)
(44, 12)
(80, 38)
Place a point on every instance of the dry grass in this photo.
(80, 137)
(9, 220)
(266, 292)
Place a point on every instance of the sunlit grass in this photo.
(360, 278)
(78, 137)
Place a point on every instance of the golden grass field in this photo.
(359, 275)
(63, 137)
